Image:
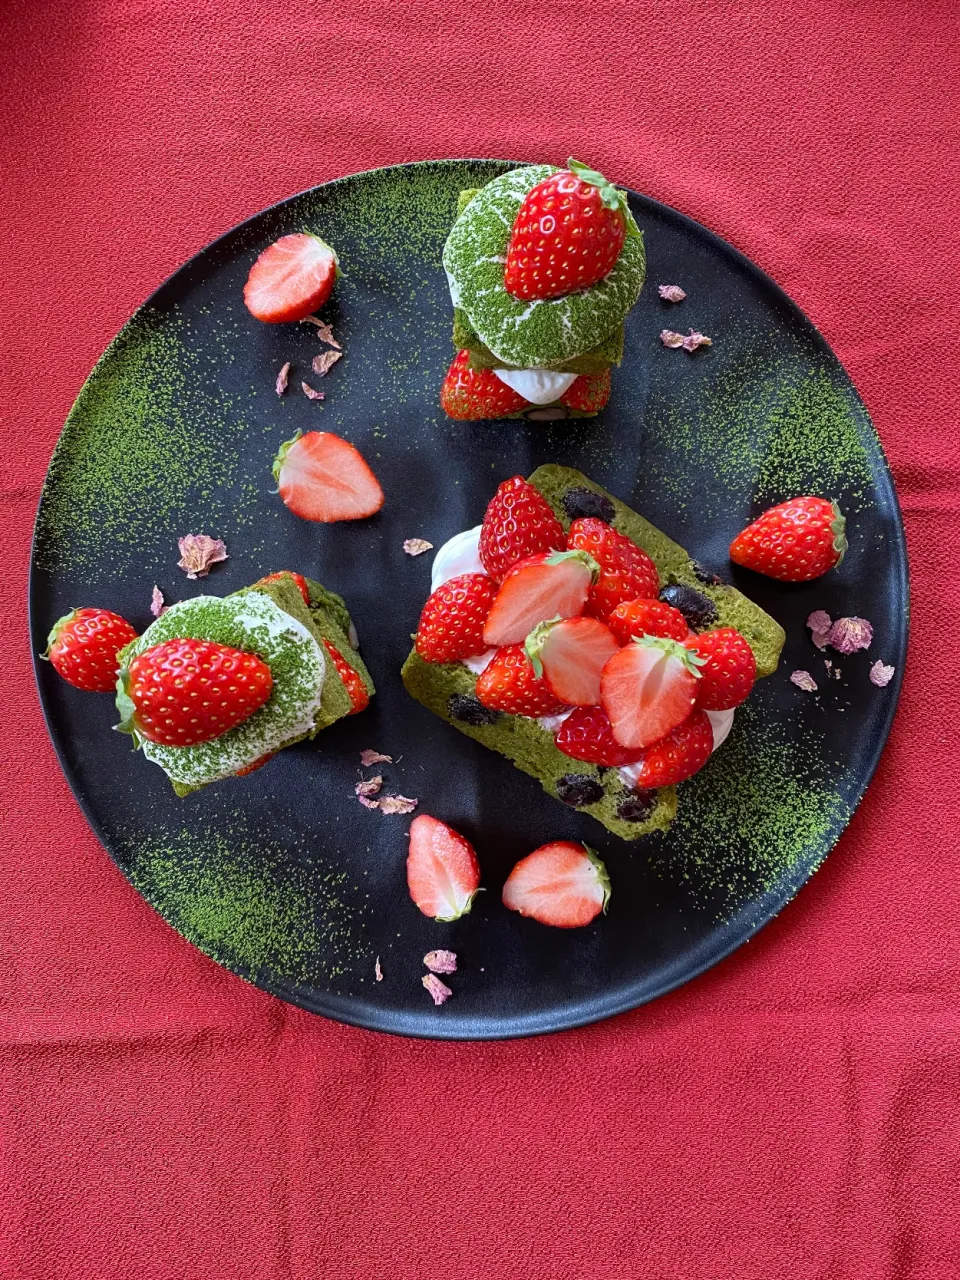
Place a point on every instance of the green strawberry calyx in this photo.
(282, 454)
(673, 649)
(533, 645)
(127, 707)
(602, 874)
(558, 557)
(610, 196)
(55, 631)
(838, 527)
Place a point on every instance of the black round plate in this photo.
(283, 877)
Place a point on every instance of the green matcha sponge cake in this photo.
(287, 625)
(543, 266)
(510, 654)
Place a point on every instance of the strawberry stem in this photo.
(838, 527)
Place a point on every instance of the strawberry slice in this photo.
(290, 279)
(569, 655)
(553, 584)
(562, 884)
(324, 478)
(586, 735)
(648, 688)
(443, 874)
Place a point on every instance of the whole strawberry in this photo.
(635, 618)
(728, 672)
(452, 620)
(626, 572)
(183, 692)
(510, 684)
(519, 522)
(588, 393)
(794, 542)
(359, 698)
(470, 395)
(83, 648)
(679, 755)
(586, 735)
(567, 234)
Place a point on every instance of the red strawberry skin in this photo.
(443, 874)
(299, 582)
(589, 393)
(565, 237)
(563, 884)
(257, 764)
(647, 689)
(324, 478)
(352, 681)
(184, 692)
(626, 572)
(471, 395)
(291, 278)
(570, 655)
(679, 755)
(551, 585)
(83, 645)
(518, 522)
(510, 684)
(636, 618)
(796, 541)
(586, 735)
(729, 672)
(452, 620)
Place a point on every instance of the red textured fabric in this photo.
(794, 1113)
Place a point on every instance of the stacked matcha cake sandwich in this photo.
(216, 686)
(543, 265)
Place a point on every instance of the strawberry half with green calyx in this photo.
(291, 278)
(569, 655)
(352, 681)
(184, 692)
(510, 684)
(298, 579)
(551, 585)
(626, 572)
(471, 395)
(563, 884)
(588, 393)
(649, 688)
(452, 620)
(82, 647)
(517, 523)
(729, 668)
(586, 735)
(322, 477)
(443, 874)
(635, 618)
(678, 755)
(795, 541)
(567, 234)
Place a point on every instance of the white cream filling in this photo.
(539, 386)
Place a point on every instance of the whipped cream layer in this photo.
(539, 386)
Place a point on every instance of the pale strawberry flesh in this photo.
(647, 689)
(443, 874)
(553, 585)
(324, 478)
(561, 884)
(290, 279)
(572, 654)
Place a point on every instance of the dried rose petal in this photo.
(398, 804)
(323, 362)
(283, 377)
(417, 546)
(439, 990)
(377, 971)
(156, 602)
(694, 340)
(881, 674)
(671, 339)
(369, 757)
(198, 552)
(370, 787)
(310, 392)
(324, 332)
(847, 635)
(804, 680)
(368, 804)
(671, 292)
(441, 961)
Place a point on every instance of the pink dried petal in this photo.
(156, 602)
(805, 681)
(439, 990)
(324, 332)
(310, 392)
(819, 623)
(369, 757)
(694, 340)
(198, 552)
(283, 377)
(836, 673)
(881, 674)
(671, 339)
(398, 804)
(671, 292)
(368, 804)
(847, 635)
(377, 971)
(441, 961)
(325, 360)
(370, 787)
(417, 546)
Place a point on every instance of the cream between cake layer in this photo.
(539, 386)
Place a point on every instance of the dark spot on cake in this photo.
(698, 609)
(578, 789)
(706, 575)
(637, 806)
(581, 502)
(463, 706)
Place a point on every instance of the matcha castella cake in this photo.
(216, 686)
(579, 641)
(543, 265)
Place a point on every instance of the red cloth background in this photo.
(795, 1112)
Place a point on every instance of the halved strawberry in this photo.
(470, 395)
(570, 654)
(352, 680)
(443, 874)
(563, 884)
(509, 683)
(554, 584)
(678, 755)
(586, 735)
(299, 581)
(517, 523)
(588, 393)
(452, 620)
(647, 618)
(648, 688)
(626, 571)
(291, 278)
(324, 478)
